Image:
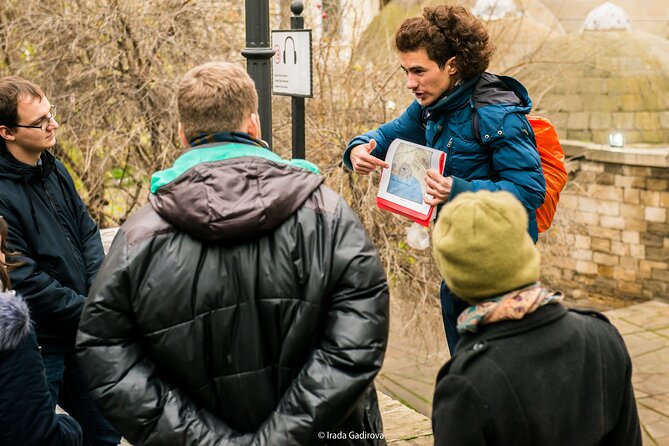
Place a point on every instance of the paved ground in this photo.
(408, 373)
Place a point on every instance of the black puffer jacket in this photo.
(245, 304)
(26, 409)
(59, 244)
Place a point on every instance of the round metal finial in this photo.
(297, 7)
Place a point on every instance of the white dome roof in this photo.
(607, 17)
(493, 9)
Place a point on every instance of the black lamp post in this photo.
(258, 53)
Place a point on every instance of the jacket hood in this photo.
(14, 320)
(231, 191)
(13, 169)
(493, 89)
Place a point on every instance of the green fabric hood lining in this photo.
(219, 153)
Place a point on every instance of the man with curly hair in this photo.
(445, 54)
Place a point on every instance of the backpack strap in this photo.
(476, 130)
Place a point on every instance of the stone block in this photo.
(605, 271)
(664, 200)
(656, 214)
(630, 237)
(638, 251)
(646, 121)
(631, 137)
(657, 185)
(657, 274)
(636, 225)
(653, 240)
(578, 121)
(582, 242)
(660, 254)
(587, 204)
(581, 254)
(605, 191)
(605, 285)
(632, 211)
(636, 171)
(585, 267)
(650, 198)
(612, 222)
(629, 182)
(664, 119)
(631, 287)
(600, 244)
(570, 103)
(629, 263)
(661, 229)
(565, 263)
(631, 102)
(654, 136)
(603, 102)
(600, 121)
(611, 234)
(568, 201)
(650, 265)
(611, 208)
(632, 196)
(605, 259)
(657, 288)
(587, 166)
(586, 218)
(623, 274)
(666, 242)
(622, 121)
(616, 169)
(620, 249)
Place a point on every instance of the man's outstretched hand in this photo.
(362, 159)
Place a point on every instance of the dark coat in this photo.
(555, 377)
(59, 244)
(26, 408)
(502, 103)
(247, 299)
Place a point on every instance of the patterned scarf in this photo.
(513, 305)
(239, 137)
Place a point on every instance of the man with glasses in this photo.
(58, 243)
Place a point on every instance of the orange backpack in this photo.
(552, 164)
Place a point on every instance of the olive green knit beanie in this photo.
(482, 247)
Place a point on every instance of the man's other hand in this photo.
(438, 187)
(362, 159)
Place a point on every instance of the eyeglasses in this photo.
(44, 122)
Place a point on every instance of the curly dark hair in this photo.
(446, 31)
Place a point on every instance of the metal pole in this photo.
(258, 54)
(297, 104)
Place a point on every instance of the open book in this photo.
(402, 186)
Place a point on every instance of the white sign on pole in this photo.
(291, 70)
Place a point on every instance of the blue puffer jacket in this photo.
(501, 103)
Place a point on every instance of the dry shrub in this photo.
(112, 68)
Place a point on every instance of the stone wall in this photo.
(611, 232)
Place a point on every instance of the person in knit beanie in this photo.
(527, 370)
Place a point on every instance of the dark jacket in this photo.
(246, 298)
(59, 244)
(555, 377)
(502, 103)
(26, 409)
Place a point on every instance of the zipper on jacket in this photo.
(78, 258)
(448, 155)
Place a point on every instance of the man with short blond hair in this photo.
(245, 304)
(58, 244)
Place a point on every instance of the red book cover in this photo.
(402, 186)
